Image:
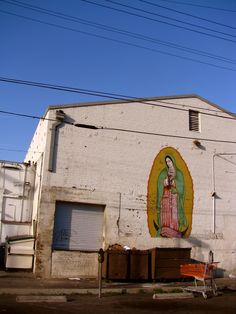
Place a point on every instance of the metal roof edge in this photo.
(128, 100)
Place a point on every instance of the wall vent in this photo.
(194, 120)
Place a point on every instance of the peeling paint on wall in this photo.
(170, 196)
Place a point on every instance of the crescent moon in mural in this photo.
(170, 196)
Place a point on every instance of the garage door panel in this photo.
(78, 226)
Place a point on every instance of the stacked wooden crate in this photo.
(165, 262)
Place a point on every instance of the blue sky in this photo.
(71, 53)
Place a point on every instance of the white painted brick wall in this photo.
(114, 161)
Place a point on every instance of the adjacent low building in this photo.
(17, 213)
(143, 173)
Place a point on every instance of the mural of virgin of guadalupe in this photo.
(170, 196)
(171, 221)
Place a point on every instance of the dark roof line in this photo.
(146, 99)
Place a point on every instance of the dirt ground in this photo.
(125, 304)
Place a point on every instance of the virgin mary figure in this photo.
(171, 220)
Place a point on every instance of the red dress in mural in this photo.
(169, 210)
(172, 220)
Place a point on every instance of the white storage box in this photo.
(19, 252)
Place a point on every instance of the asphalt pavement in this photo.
(25, 283)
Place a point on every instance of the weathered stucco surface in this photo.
(74, 264)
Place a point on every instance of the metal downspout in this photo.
(23, 194)
(214, 194)
(60, 116)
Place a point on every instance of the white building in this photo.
(104, 179)
(18, 218)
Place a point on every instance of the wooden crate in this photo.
(115, 265)
(139, 268)
(165, 262)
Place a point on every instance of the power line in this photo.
(66, 88)
(119, 31)
(26, 5)
(170, 135)
(118, 97)
(198, 5)
(168, 18)
(18, 150)
(25, 115)
(159, 21)
(120, 41)
(187, 14)
(128, 131)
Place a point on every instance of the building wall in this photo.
(111, 166)
(36, 154)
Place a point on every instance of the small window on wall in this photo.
(194, 124)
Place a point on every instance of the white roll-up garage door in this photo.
(78, 226)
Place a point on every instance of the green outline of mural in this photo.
(158, 169)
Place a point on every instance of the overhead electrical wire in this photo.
(130, 130)
(168, 18)
(199, 5)
(187, 14)
(124, 32)
(90, 92)
(25, 115)
(112, 95)
(169, 135)
(159, 21)
(65, 88)
(119, 41)
(23, 4)
(18, 150)
(119, 97)
(110, 39)
(119, 31)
